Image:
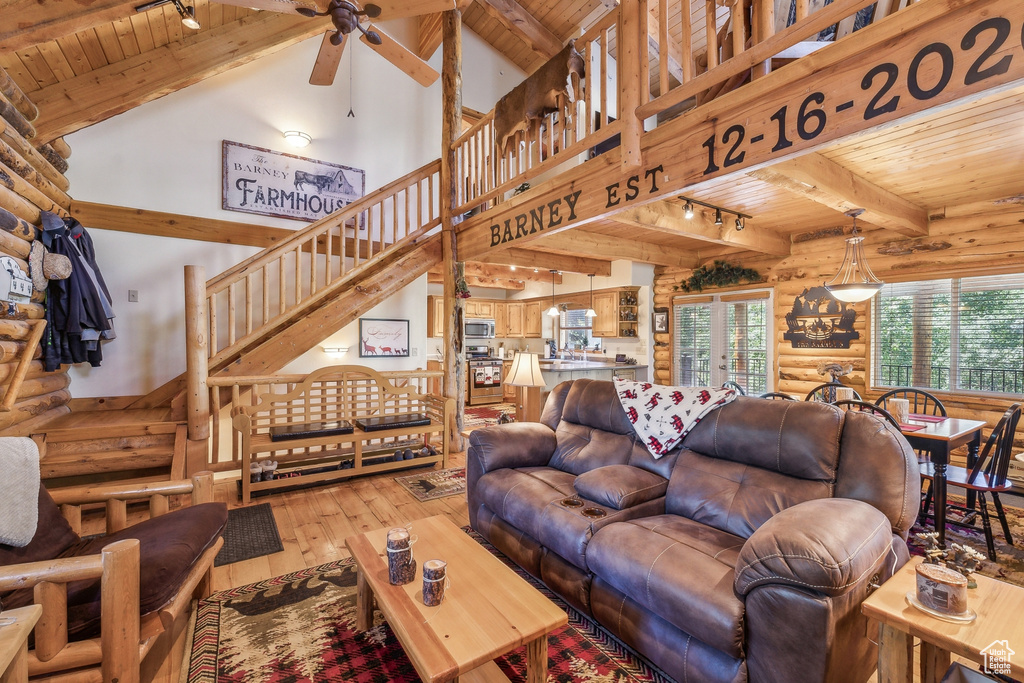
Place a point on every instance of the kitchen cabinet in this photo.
(500, 320)
(477, 308)
(514, 318)
(606, 324)
(435, 316)
(508, 392)
(532, 320)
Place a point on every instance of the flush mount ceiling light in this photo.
(553, 311)
(854, 282)
(688, 212)
(591, 313)
(296, 138)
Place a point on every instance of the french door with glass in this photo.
(723, 338)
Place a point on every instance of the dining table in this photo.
(939, 436)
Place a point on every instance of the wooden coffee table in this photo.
(487, 611)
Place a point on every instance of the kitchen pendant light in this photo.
(553, 311)
(854, 282)
(591, 313)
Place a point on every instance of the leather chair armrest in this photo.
(828, 545)
(520, 444)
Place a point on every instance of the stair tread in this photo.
(94, 418)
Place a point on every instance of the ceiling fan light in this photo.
(296, 138)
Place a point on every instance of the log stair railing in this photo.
(250, 308)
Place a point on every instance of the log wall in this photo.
(31, 180)
(979, 239)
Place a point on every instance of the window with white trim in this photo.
(723, 337)
(575, 331)
(959, 334)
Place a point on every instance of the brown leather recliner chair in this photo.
(742, 555)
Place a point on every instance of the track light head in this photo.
(688, 209)
(718, 216)
(739, 223)
(188, 15)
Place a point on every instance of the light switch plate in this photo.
(133, 295)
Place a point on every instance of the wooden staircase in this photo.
(257, 317)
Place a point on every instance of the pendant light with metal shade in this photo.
(854, 282)
(591, 313)
(553, 311)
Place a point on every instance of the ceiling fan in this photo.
(345, 16)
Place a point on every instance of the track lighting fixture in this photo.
(688, 212)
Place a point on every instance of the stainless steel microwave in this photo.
(479, 329)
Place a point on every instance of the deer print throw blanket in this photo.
(663, 415)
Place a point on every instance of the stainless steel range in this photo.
(484, 377)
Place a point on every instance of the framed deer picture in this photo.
(383, 338)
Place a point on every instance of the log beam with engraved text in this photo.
(668, 217)
(912, 64)
(824, 181)
(97, 95)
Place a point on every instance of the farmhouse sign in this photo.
(269, 183)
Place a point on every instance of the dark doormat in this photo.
(250, 532)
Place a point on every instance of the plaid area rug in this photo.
(1009, 565)
(434, 484)
(301, 627)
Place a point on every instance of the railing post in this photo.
(197, 354)
(632, 73)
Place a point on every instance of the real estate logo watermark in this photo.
(997, 657)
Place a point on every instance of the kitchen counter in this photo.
(557, 371)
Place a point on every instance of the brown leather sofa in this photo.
(742, 555)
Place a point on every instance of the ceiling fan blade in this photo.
(396, 9)
(327, 60)
(402, 57)
(286, 6)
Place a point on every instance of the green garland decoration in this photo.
(720, 274)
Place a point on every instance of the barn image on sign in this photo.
(820, 321)
(269, 183)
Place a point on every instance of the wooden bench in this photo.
(331, 394)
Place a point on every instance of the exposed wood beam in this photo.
(520, 22)
(482, 282)
(668, 217)
(95, 96)
(30, 22)
(545, 261)
(178, 226)
(824, 181)
(499, 272)
(429, 33)
(676, 154)
(604, 246)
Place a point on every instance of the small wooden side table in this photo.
(14, 643)
(998, 605)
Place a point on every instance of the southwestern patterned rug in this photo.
(301, 627)
(435, 484)
(1009, 565)
(485, 416)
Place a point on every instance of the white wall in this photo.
(166, 156)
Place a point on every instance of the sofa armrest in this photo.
(520, 444)
(828, 545)
(620, 486)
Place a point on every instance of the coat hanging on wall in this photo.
(820, 321)
(79, 312)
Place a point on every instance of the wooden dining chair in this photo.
(729, 384)
(921, 402)
(989, 475)
(865, 407)
(777, 396)
(826, 393)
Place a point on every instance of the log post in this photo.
(451, 126)
(632, 65)
(196, 354)
(763, 28)
(119, 605)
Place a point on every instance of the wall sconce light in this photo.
(688, 212)
(334, 351)
(296, 138)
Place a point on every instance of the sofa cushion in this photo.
(519, 496)
(680, 570)
(169, 546)
(582, 447)
(620, 486)
(793, 438)
(53, 536)
(734, 497)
